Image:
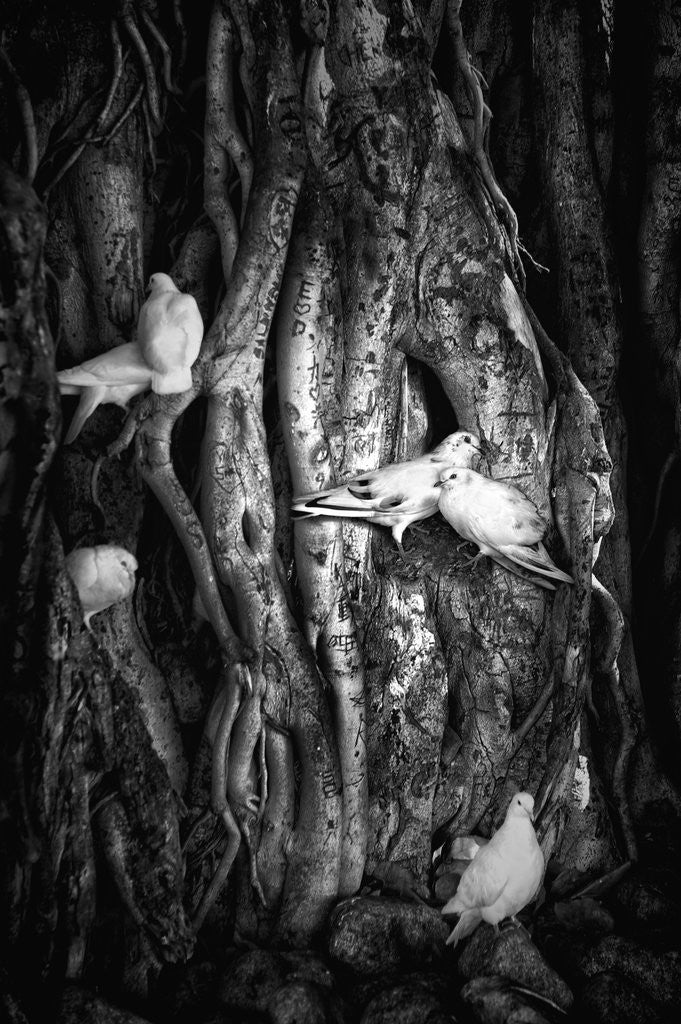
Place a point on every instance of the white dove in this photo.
(169, 334)
(115, 376)
(103, 575)
(394, 495)
(504, 875)
(501, 520)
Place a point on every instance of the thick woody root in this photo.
(304, 334)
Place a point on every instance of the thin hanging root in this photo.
(246, 821)
(533, 715)
(231, 695)
(214, 888)
(615, 629)
(264, 777)
(147, 66)
(150, 135)
(131, 106)
(179, 22)
(217, 164)
(165, 50)
(404, 412)
(23, 99)
(233, 140)
(481, 118)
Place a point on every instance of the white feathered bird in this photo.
(113, 377)
(103, 575)
(169, 334)
(504, 875)
(502, 521)
(395, 495)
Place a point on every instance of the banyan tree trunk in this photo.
(285, 708)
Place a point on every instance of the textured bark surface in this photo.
(285, 712)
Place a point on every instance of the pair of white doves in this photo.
(496, 516)
(167, 344)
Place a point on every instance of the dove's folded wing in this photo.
(123, 364)
(399, 489)
(500, 515)
(482, 883)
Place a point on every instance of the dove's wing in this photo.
(499, 514)
(401, 489)
(123, 364)
(81, 566)
(483, 881)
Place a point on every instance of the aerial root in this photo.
(165, 50)
(615, 630)
(23, 99)
(474, 80)
(153, 99)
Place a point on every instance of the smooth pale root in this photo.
(169, 333)
(103, 575)
(501, 520)
(395, 495)
(504, 875)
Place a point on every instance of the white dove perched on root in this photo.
(504, 875)
(395, 495)
(103, 575)
(502, 521)
(169, 334)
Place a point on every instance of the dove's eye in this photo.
(453, 476)
(467, 439)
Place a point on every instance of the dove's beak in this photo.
(438, 483)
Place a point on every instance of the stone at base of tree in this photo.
(378, 936)
(419, 999)
(650, 899)
(495, 1000)
(303, 1002)
(585, 915)
(610, 998)
(78, 1005)
(296, 986)
(513, 955)
(658, 974)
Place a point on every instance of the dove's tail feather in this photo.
(467, 923)
(337, 502)
(524, 574)
(173, 382)
(89, 400)
(535, 560)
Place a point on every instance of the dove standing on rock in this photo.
(504, 875)
(501, 520)
(169, 334)
(394, 495)
(113, 377)
(103, 575)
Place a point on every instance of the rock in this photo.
(302, 1002)
(306, 966)
(585, 915)
(190, 993)
(250, 981)
(79, 1005)
(495, 1000)
(610, 998)
(375, 937)
(658, 974)
(649, 899)
(420, 1000)
(446, 884)
(513, 955)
